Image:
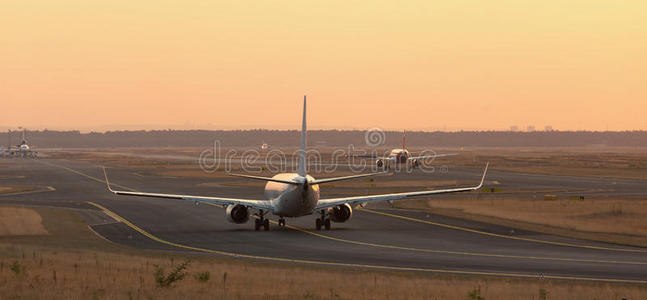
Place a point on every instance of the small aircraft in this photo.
(403, 156)
(295, 195)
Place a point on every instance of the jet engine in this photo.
(340, 213)
(237, 213)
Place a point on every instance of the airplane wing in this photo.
(256, 204)
(326, 203)
(431, 156)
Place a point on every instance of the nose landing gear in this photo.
(281, 222)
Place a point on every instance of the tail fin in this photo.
(404, 139)
(302, 152)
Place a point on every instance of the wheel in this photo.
(318, 223)
(257, 224)
(327, 223)
(281, 223)
(266, 225)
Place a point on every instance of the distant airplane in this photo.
(403, 156)
(265, 146)
(296, 195)
(23, 148)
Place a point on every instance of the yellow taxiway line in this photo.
(136, 228)
(418, 220)
(503, 235)
(86, 175)
(46, 189)
(367, 266)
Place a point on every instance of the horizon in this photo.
(4, 130)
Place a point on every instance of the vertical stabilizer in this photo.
(404, 139)
(302, 152)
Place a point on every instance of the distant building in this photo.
(548, 128)
(514, 128)
(530, 128)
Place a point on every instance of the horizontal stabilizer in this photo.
(264, 178)
(326, 180)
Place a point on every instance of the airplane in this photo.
(265, 146)
(295, 195)
(403, 156)
(23, 148)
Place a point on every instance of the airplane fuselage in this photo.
(291, 200)
(399, 155)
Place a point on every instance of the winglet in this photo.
(107, 182)
(484, 173)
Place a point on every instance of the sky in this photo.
(419, 65)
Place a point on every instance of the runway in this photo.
(377, 237)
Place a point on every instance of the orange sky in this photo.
(466, 64)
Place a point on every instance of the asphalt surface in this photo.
(378, 237)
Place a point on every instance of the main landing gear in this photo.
(261, 222)
(323, 221)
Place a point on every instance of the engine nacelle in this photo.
(340, 213)
(379, 163)
(237, 213)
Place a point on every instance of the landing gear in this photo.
(281, 222)
(322, 221)
(261, 222)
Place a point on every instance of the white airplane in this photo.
(403, 156)
(23, 148)
(295, 195)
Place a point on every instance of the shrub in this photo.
(167, 280)
(203, 276)
(475, 294)
(17, 268)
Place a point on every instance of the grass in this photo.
(46, 274)
(72, 263)
(20, 221)
(619, 221)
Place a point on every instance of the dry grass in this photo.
(610, 216)
(20, 221)
(72, 263)
(611, 220)
(78, 274)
